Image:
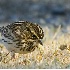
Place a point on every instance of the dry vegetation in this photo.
(56, 53)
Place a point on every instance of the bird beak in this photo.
(40, 46)
(40, 42)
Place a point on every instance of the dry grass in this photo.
(56, 53)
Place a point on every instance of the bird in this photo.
(21, 36)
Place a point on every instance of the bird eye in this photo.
(34, 37)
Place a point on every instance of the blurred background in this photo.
(50, 14)
(44, 12)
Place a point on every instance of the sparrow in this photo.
(21, 37)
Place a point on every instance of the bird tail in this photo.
(0, 33)
(0, 29)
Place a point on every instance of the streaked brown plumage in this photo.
(21, 37)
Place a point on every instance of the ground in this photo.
(56, 53)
